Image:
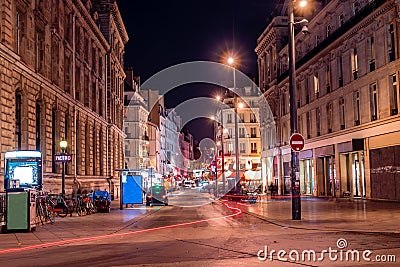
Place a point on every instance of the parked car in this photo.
(188, 184)
(157, 194)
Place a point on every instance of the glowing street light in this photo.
(303, 3)
(294, 175)
(231, 62)
(63, 146)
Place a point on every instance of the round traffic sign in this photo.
(296, 142)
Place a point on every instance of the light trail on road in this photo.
(92, 238)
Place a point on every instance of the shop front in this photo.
(306, 165)
(328, 184)
(352, 169)
(384, 159)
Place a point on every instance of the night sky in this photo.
(165, 33)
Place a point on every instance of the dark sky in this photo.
(165, 33)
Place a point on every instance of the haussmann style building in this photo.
(347, 72)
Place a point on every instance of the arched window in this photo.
(38, 123)
(54, 142)
(18, 119)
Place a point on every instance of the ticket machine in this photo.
(22, 179)
(23, 169)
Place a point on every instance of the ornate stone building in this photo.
(61, 77)
(347, 71)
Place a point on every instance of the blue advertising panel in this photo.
(132, 189)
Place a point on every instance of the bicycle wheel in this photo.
(63, 212)
(40, 212)
(48, 214)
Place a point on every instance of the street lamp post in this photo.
(222, 147)
(63, 146)
(294, 174)
(231, 62)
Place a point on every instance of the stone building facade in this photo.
(249, 139)
(347, 71)
(61, 78)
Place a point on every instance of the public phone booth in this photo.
(22, 179)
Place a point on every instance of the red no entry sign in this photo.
(296, 142)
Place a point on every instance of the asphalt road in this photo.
(188, 234)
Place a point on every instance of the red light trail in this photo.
(92, 238)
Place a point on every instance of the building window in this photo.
(316, 85)
(299, 123)
(18, 119)
(307, 88)
(391, 43)
(94, 97)
(373, 101)
(340, 71)
(242, 133)
(230, 132)
(253, 132)
(329, 112)
(253, 118)
(253, 148)
(283, 104)
(242, 148)
(356, 7)
(328, 30)
(230, 148)
(101, 153)
(317, 40)
(87, 155)
(38, 123)
(78, 146)
(39, 50)
(78, 94)
(356, 106)
(86, 90)
(94, 145)
(393, 94)
(229, 119)
(19, 30)
(328, 79)
(241, 117)
(318, 120)
(308, 125)
(298, 95)
(53, 139)
(284, 134)
(354, 63)
(67, 74)
(340, 20)
(371, 53)
(341, 113)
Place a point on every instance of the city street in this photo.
(208, 235)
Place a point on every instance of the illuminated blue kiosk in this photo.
(22, 179)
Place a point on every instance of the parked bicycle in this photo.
(44, 211)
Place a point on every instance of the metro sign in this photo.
(62, 158)
(296, 142)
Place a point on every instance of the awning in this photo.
(232, 174)
(252, 175)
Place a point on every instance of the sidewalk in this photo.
(330, 214)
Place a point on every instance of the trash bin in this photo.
(21, 209)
